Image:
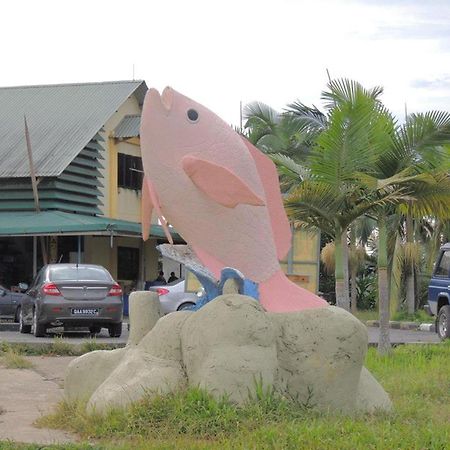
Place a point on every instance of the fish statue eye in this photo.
(192, 115)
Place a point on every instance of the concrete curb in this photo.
(427, 327)
(9, 326)
(403, 325)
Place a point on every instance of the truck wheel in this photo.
(443, 322)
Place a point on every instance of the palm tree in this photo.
(348, 146)
(412, 162)
(276, 133)
(360, 161)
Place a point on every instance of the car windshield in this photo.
(79, 273)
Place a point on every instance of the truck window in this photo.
(443, 267)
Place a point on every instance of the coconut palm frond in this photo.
(270, 143)
(363, 228)
(432, 197)
(412, 254)
(311, 118)
(344, 91)
(425, 138)
(347, 146)
(261, 119)
(356, 258)
(264, 113)
(288, 167)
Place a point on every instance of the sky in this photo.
(223, 52)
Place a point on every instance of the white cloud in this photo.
(222, 52)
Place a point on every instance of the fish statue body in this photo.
(220, 193)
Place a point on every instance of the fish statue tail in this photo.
(279, 294)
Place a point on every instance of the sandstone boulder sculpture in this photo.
(315, 356)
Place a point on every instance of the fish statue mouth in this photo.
(165, 100)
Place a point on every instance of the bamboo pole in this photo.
(34, 186)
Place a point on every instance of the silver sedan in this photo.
(78, 295)
(173, 296)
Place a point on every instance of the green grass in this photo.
(367, 314)
(420, 316)
(59, 347)
(11, 359)
(416, 377)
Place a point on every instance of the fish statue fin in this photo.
(150, 200)
(278, 219)
(219, 183)
(146, 210)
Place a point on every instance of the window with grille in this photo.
(127, 263)
(129, 171)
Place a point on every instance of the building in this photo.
(86, 157)
(85, 147)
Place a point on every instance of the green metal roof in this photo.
(128, 127)
(62, 119)
(24, 223)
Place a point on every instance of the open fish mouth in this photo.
(165, 100)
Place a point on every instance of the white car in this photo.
(173, 296)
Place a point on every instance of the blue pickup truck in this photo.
(439, 293)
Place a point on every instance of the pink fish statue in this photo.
(220, 193)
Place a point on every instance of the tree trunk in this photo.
(410, 292)
(410, 282)
(342, 292)
(345, 266)
(353, 273)
(354, 296)
(384, 343)
(394, 278)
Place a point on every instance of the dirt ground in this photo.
(27, 394)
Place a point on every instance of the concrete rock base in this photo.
(227, 347)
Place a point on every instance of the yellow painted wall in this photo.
(304, 263)
(109, 190)
(304, 256)
(128, 200)
(97, 250)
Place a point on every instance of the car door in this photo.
(16, 299)
(29, 299)
(440, 282)
(5, 302)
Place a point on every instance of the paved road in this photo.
(397, 337)
(77, 337)
(404, 336)
(27, 394)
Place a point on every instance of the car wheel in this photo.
(443, 322)
(184, 306)
(16, 316)
(38, 329)
(95, 329)
(23, 327)
(115, 329)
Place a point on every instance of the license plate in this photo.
(84, 311)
